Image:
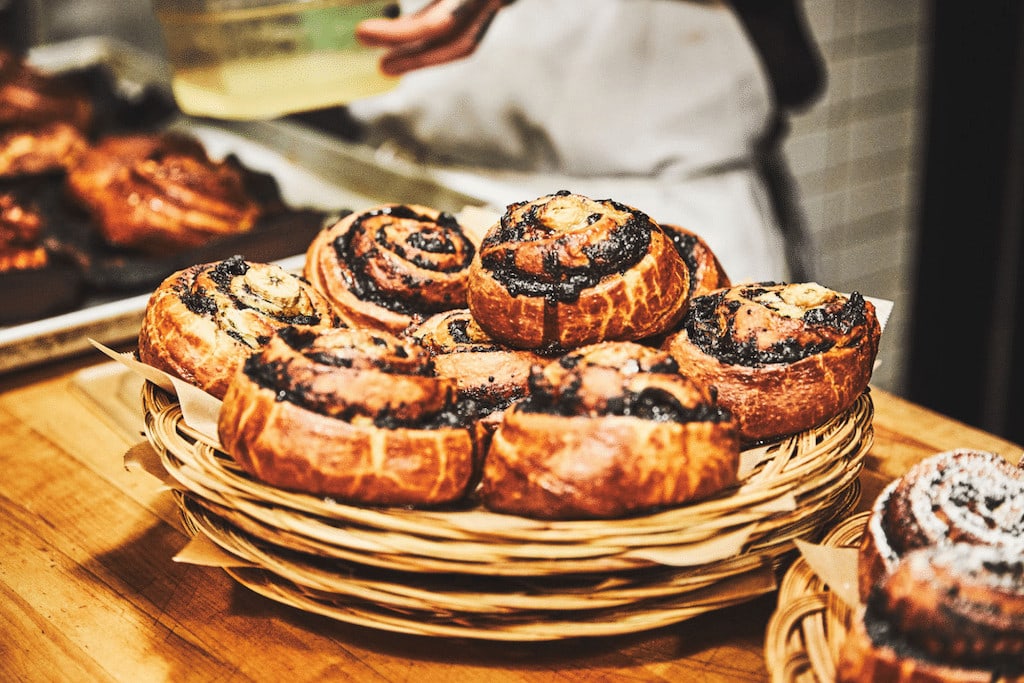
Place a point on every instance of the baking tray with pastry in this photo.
(106, 188)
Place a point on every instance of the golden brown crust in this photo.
(596, 441)
(483, 369)
(161, 192)
(351, 414)
(391, 266)
(49, 147)
(955, 496)
(202, 322)
(946, 613)
(706, 271)
(564, 271)
(29, 97)
(783, 358)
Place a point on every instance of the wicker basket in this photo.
(807, 629)
(468, 572)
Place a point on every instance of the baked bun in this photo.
(202, 322)
(30, 98)
(564, 271)
(354, 414)
(606, 432)
(391, 266)
(161, 193)
(959, 496)
(51, 147)
(484, 370)
(946, 613)
(783, 357)
(21, 226)
(706, 271)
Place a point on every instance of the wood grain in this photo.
(89, 589)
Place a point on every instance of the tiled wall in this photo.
(855, 153)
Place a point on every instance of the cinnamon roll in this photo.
(201, 323)
(706, 271)
(392, 266)
(484, 371)
(162, 193)
(959, 496)
(30, 98)
(782, 357)
(951, 612)
(355, 414)
(565, 270)
(606, 432)
(47, 148)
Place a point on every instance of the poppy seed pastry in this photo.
(354, 414)
(783, 358)
(565, 270)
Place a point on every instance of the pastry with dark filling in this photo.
(783, 357)
(959, 496)
(565, 270)
(706, 271)
(607, 432)
(202, 322)
(354, 414)
(392, 266)
(946, 613)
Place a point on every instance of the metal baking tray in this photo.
(313, 170)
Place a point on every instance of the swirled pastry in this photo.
(162, 193)
(50, 147)
(706, 271)
(946, 613)
(392, 266)
(605, 433)
(565, 270)
(202, 322)
(782, 357)
(354, 414)
(484, 371)
(959, 496)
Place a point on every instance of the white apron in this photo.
(654, 103)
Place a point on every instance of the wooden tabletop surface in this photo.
(90, 591)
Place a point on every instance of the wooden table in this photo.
(90, 591)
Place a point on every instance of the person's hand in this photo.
(443, 31)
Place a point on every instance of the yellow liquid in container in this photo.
(265, 61)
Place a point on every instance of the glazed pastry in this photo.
(354, 414)
(47, 148)
(162, 193)
(952, 612)
(202, 322)
(564, 271)
(484, 370)
(606, 432)
(706, 271)
(391, 266)
(959, 496)
(29, 97)
(783, 357)
(21, 227)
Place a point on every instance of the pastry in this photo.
(30, 98)
(607, 432)
(565, 270)
(202, 322)
(782, 357)
(484, 370)
(47, 148)
(946, 613)
(959, 496)
(391, 266)
(354, 414)
(162, 193)
(21, 227)
(706, 271)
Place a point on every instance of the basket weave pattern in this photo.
(468, 572)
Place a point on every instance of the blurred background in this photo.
(911, 168)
